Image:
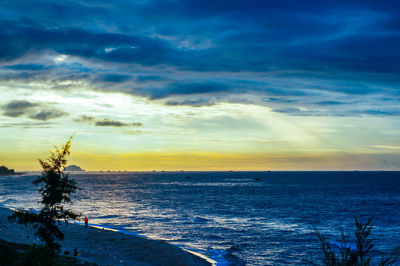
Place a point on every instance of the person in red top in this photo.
(86, 221)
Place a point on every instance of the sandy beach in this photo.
(104, 247)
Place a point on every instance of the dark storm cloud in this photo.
(113, 123)
(19, 105)
(104, 122)
(84, 119)
(294, 51)
(48, 114)
(37, 111)
(18, 108)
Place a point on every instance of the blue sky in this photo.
(164, 76)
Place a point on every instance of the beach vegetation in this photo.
(56, 189)
(15, 254)
(38, 255)
(357, 252)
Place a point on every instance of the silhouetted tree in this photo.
(56, 189)
(358, 255)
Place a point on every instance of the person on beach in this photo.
(86, 221)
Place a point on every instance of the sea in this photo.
(234, 218)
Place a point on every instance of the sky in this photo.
(201, 84)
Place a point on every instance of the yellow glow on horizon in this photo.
(208, 161)
(213, 161)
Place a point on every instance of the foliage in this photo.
(38, 255)
(361, 254)
(14, 254)
(56, 189)
(8, 253)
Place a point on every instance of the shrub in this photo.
(8, 254)
(360, 254)
(38, 255)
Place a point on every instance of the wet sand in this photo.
(104, 247)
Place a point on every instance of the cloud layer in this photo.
(308, 58)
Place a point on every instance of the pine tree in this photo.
(56, 189)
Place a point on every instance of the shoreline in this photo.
(101, 227)
(106, 246)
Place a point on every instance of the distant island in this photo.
(73, 168)
(5, 171)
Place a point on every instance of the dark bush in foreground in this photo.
(347, 255)
(20, 254)
(39, 255)
(13, 254)
(8, 253)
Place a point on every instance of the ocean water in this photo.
(235, 218)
